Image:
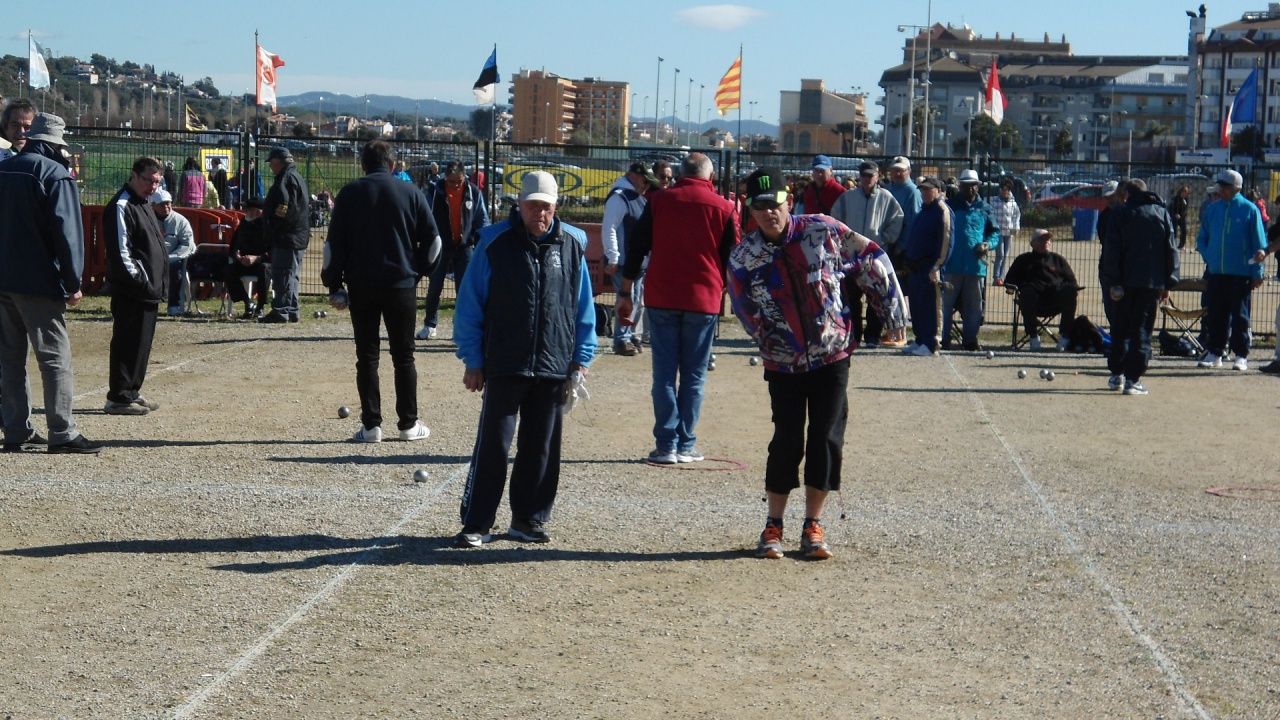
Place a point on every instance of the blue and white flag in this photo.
(37, 70)
(1244, 109)
(483, 88)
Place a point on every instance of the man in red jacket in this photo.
(821, 194)
(687, 231)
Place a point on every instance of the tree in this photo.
(846, 131)
(482, 122)
(987, 138)
(302, 130)
(205, 85)
(1063, 145)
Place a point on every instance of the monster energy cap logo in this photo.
(766, 188)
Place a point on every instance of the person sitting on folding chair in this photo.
(249, 256)
(180, 242)
(1046, 286)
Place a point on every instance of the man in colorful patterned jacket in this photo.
(784, 282)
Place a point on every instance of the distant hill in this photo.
(379, 105)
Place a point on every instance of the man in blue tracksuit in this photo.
(525, 324)
(1232, 242)
(926, 248)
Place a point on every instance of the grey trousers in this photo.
(969, 292)
(39, 323)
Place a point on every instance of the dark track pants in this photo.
(535, 474)
(133, 329)
(369, 310)
(819, 396)
(1133, 318)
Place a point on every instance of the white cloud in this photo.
(719, 17)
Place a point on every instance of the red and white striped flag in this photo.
(267, 64)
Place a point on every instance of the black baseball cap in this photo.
(766, 188)
(642, 170)
(868, 168)
(931, 182)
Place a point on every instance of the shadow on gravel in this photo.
(1043, 387)
(397, 550)
(377, 460)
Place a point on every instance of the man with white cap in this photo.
(907, 195)
(1233, 243)
(525, 326)
(41, 260)
(180, 242)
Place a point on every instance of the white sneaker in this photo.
(1210, 361)
(417, 432)
(1035, 343)
(368, 435)
(426, 333)
(1116, 382)
(1240, 364)
(1064, 343)
(922, 350)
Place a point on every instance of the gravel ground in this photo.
(1012, 549)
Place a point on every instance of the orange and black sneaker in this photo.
(770, 542)
(812, 545)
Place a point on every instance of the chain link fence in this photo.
(1062, 196)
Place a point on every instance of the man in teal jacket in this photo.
(1232, 242)
(974, 232)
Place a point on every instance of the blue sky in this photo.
(431, 49)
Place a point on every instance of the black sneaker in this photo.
(529, 531)
(130, 408)
(35, 442)
(274, 318)
(471, 538)
(80, 446)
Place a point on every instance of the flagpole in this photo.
(737, 169)
(257, 120)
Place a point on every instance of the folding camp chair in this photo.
(1187, 322)
(204, 278)
(1044, 324)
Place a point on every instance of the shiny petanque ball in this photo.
(713, 357)
(315, 314)
(324, 313)
(420, 475)
(1044, 374)
(344, 412)
(711, 365)
(755, 360)
(1022, 374)
(1049, 376)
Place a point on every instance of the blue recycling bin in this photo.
(1084, 224)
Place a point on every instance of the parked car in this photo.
(1053, 190)
(1088, 197)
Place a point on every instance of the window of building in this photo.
(1155, 78)
(789, 141)
(806, 142)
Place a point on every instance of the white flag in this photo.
(37, 71)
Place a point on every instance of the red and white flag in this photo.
(996, 102)
(267, 64)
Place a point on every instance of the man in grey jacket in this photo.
(870, 211)
(41, 260)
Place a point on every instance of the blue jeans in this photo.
(628, 333)
(1002, 252)
(680, 344)
(453, 260)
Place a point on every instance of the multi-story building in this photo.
(1223, 61)
(814, 120)
(547, 108)
(1108, 106)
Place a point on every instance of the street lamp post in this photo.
(701, 88)
(928, 67)
(688, 116)
(546, 125)
(911, 87)
(657, 93)
(675, 94)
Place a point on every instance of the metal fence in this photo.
(103, 158)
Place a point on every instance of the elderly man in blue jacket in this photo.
(1233, 244)
(965, 273)
(525, 328)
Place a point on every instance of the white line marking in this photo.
(1162, 661)
(329, 588)
(175, 366)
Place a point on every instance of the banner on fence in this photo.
(574, 182)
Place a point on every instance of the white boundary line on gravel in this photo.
(324, 592)
(175, 366)
(1162, 661)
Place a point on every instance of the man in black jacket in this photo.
(287, 210)
(1140, 267)
(249, 256)
(381, 241)
(138, 272)
(1046, 286)
(41, 260)
(457, 206)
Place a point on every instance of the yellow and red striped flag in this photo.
(729, 94)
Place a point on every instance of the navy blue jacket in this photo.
(1140, 249)
(474, 215)
(381, 235)
(41, 233)
(525, 307)
(287, 210)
